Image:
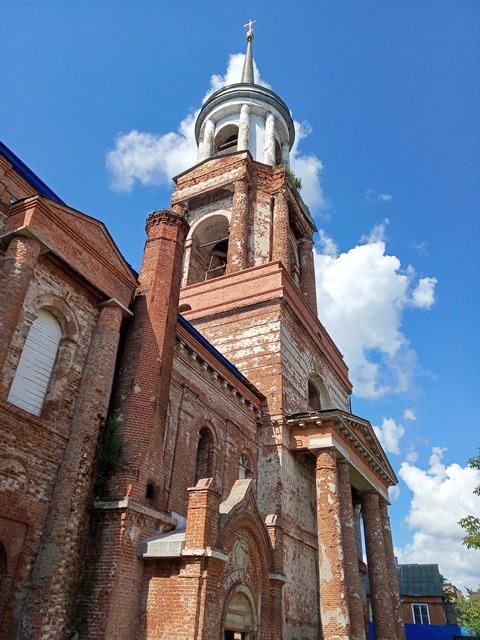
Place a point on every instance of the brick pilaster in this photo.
(238, 238)
(392, 573)
(352, 575)
(378, 573)
(55, 575)
(333, 589)
(202, 515)
(141, 395)
(16, 270)
(307, 272)
(281, 230)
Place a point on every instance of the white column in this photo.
(269, 148)
(244, 128)
(205, 150)
(285, 156)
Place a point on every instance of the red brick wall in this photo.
(435, 608)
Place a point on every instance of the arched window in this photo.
(32, 377)
(314, 403)
(204, 465)
(245, 468)
(226, 140)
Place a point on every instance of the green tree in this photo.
(469, 608)
(471, 524)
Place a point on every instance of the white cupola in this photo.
(246, 117)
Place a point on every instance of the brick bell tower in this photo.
(248, 285)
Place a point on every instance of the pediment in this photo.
(80, 241)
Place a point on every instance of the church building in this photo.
(178, 456)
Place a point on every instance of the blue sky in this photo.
(389, 92)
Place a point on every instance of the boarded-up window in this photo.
(30, 384)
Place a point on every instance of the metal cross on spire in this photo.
(250, 24)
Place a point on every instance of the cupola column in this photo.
(307, 272)
(244, 128)
(285, 156)
(206, 148)
(281, 230)
(269, 148)
(238, 238)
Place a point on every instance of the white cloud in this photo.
(390, 433)
(394, 493)
(308, 169)
(153, 159)
(409, 414)
(412, 456)
(372, 195)
(421, 248)
(362, 295)
(441, 496)
(423, 295)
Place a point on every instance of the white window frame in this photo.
(423, 612)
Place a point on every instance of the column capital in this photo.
(26, 232)
(113, 302)
(172, 217)
(326, 459)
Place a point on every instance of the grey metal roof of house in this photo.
(419, 580)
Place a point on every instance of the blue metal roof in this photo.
(28, 175)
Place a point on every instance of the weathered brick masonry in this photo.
(233, 508)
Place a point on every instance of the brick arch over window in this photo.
(204, 462)
(62, 311)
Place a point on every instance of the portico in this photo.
(350, 469)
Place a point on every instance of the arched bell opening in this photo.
(318, 396)
(206, 249)
(239, 615)
(278, 154)
(226, 140)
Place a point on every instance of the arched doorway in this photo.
(239, 616)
